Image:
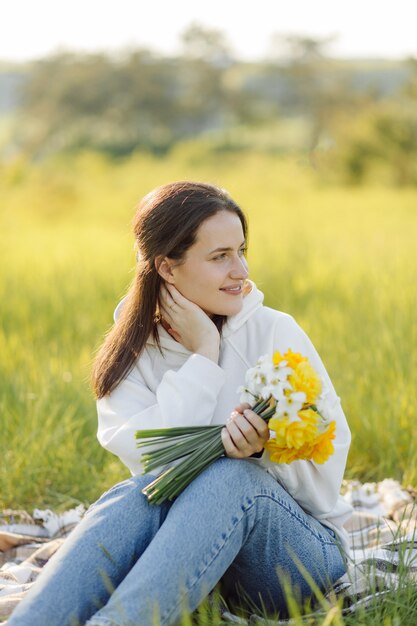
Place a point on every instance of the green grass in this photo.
(342, 261)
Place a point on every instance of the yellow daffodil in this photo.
(294, 358)
(304, 378)
(279, 426)
(293, 385)
(280, 390)
(324, 447)
(295, 433)
(279, 454)
(310, 418)
(304, 431)
(277, 358)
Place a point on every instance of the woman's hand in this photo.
(189, 324)
(245, 433)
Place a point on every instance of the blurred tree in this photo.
(206, 44)
(381, 140)
(202, 67)
(142, 100)
(316, 89)
(396, 136)
(72, 101)
(410, 88)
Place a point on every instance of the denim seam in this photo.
(98, 502)
(245, 509)
(323, 541)
(101, 621)
(295, 514)
(165, 617)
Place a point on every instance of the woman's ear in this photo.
(164, 268)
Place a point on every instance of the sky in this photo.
(363, 28)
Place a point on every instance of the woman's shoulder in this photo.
(269, 324)
(266, 314)
(282, 326)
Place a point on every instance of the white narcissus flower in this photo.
(264, 365)
(260, 378)
(275, 388)
(250, 374)
(257, 377)
(246, 395)
(267, 379)
(264, 361)
(251, 382)
(289, 406)
(283, 372)
(327, 404)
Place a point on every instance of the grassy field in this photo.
(342, 261)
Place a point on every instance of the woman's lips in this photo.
(236, 291)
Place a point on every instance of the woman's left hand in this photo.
(245, 433)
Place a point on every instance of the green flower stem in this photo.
(268, 414)
(196, 447)
(171, 453)
(172, 486)
(171, 482)
(259, 406)
(170, 432)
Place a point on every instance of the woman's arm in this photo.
(187, 396)
(315, 487)
(184, 397)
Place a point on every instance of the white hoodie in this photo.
(182, 388)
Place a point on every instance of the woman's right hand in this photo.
(245, 433)
(189, 324)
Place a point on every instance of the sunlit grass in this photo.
(342, 261)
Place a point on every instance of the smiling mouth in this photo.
(232, 290)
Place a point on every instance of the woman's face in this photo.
(215, 268)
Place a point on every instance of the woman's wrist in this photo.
(210, 352)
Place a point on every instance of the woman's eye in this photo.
(222, 256)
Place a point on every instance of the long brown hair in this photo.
(165, 223)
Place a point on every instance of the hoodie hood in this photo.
(251, 302)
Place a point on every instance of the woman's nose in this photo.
(240, 268)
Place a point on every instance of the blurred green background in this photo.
(320, 153)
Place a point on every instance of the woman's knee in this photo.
(231, 476)
(126, 494)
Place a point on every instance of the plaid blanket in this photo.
(382, 531)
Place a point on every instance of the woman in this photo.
(184, 336)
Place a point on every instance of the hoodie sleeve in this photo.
(315, 487)
(187, 396)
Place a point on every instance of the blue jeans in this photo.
(128, 561)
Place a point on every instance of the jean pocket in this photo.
(336, 563)
(330, 531)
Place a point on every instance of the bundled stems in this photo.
(195, 447)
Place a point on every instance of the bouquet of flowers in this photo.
(284, 390)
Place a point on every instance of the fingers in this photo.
(195, 330)
(231, 450)
(244, 437)
(173, 296)
(166, 314)
(165, 296)
(166, 304)
(241, 407)
(171, 300)
(177, 296)
(258, 424)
